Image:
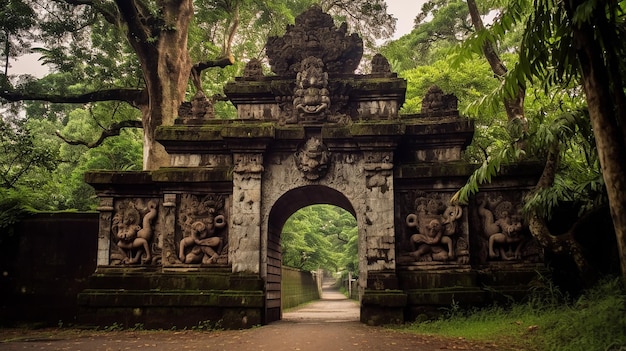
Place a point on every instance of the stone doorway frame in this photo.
(271, 247)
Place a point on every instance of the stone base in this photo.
(379, 307)
(209, 298)
(429, 294)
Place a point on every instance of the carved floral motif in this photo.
(253, 69)
(202, 221)
(313, 159)
(132, 231)
(200, 108)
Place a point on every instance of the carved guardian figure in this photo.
(133, 233)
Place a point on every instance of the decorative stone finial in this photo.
(380, 64)
(314, 34)
(435, 100)
(199, 109)
(253, 69)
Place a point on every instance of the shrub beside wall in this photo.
(297, 287)
(44, 263)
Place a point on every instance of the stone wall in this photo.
(298, 287)
(44, 264)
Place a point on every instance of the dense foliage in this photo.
(321, 237)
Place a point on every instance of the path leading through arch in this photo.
(332, 307)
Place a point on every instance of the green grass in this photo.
(547, 321)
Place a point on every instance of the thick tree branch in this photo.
(196, 70)
(135, 97)
(564, 243)
(140, 33)
(514, 105)
(113, 130)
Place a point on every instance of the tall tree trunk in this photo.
(514, 105)
(165, 63)
(167, 82)
(605, 112)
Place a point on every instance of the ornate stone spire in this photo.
(315, 34)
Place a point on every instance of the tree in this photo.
(21, 154)
(321, 236)
(157, 34)
(585, 40)
(560, 49)
(17, 19)
(439, 25)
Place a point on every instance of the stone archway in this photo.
(286, 205)
(315, 132)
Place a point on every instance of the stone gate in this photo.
(199, 240)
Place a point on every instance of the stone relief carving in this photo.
(311, 100)
(169, 225)
(313, 159)
(435, 101)
(378, 167)
(132, 230)
(248, 165)
(314, 34)
(437, 235)
(202, 221)
(503, 228)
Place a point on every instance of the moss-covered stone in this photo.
(384, 298)
(434, 169)
(117, 177)
(192, 175)
(249, 130)
(380, 128)
(291, 132)
(336, 132)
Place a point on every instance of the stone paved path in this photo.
(326, 325)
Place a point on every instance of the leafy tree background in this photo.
(321, 237)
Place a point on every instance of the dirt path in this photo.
(326, 325)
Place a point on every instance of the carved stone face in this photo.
(313, 159)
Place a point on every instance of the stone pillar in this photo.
(381, 302)
(245, 234)
(104, 231)
(169, 230)
(379, 215)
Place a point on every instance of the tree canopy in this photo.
(321, 237)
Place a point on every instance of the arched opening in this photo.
(288, 204)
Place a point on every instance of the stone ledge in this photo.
(173, 298)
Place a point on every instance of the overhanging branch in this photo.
(135, 97)
(196, 70)
(113, 130)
